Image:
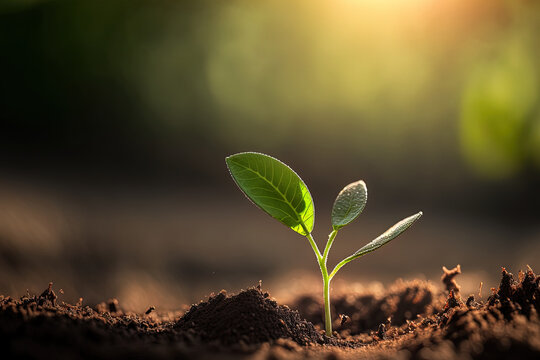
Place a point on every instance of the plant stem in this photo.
(321, 259)
(326, 284)
(314, 247)
(329, 243)
(326, 294)
(339, 266)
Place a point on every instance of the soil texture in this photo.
(410, 320)
(248, 318)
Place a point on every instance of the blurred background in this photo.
(116, 117)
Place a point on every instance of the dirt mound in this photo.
(249, 317)
(403, 301)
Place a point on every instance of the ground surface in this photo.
(409, 320)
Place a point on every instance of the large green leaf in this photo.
(349, 204)
(275, 188)
(387, 236)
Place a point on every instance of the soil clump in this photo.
(249, 317)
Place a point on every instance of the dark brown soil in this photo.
(402, 301)
(411, 320)
(506, 327)
(36, 327)
(248, 318)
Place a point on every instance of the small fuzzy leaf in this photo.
(349, 203)
(387, 236)
(275, 188)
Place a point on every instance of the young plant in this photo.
(278, 190)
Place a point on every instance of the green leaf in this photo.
(275, 188)
(387, 236)
(349, 203)
(383, 239)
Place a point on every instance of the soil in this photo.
(410, 320)
(401, 302)
(248, 318)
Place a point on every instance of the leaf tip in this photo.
(415, 217)
(361, 183)
(229, 159)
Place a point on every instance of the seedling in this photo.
(278, 190)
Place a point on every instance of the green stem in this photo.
(321, 259)
(326, 284)
(339, 266)
(329, 243)
(314, 246)
(326, 293)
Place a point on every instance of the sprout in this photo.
(277, 190)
